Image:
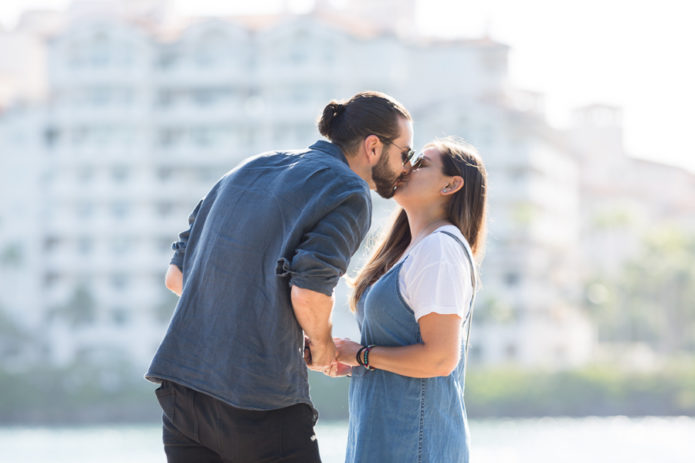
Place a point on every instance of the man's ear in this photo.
(373, 148)
(454, 185)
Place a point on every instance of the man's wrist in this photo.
(323, 340)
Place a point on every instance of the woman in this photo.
(413, 299)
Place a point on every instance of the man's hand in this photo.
(319, 356)
(334, 369)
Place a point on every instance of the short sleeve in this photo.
(179, 246)
(325, 251)
(436, 278)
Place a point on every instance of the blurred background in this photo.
(117, 116)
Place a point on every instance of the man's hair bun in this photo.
(330, 112)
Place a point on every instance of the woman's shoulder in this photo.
(439, 248)
(447, 238)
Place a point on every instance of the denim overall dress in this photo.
(400, 419)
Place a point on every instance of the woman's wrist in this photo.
(362, 357)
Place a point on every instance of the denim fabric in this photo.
(400, 419)
(280, 219)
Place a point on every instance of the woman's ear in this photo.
(454, 185)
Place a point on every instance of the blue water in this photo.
(546, 440)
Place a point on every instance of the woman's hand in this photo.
(346, 351)
(338, 369)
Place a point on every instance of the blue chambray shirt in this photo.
(279, 219)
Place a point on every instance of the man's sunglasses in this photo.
(409, 155)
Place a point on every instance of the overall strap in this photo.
(474, 283)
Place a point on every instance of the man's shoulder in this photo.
(305, 169)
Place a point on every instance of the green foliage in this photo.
(494, 310)
(12, 336)
(602, 390)
(615, 218)
(93, 390)
(83, 392)
(652, 299)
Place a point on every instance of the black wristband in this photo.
(358, 357)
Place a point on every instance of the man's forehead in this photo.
(406, 135)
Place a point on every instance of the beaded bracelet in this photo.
(358, 356)
(366, 358)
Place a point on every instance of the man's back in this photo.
(280, 219)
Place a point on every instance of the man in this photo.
(255, 272)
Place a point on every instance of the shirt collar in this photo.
(329, 148)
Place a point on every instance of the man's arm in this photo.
(318, 263)
(174, 276)
(313, 312)
(174, 279)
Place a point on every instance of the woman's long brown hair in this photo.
(466, 210)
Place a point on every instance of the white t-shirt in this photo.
(436, 275)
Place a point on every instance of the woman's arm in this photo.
(437, 355)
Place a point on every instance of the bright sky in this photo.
(635, 54)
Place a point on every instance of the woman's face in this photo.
(425, 183)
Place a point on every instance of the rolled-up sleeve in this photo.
(179, 247)
(325, 251)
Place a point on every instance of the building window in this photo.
(51, 244)
(120, 209)
(204, 97)
(85, 174)
(208, 174)
(78, 136)
(119, 281)
(512, 279)
(165, 98)
(85, 210)
(165, 208)
(510, 352)
(99, 96)
(50, 279)
(169, 137)
(85, 245)
(202, 136)
(120, 174)
(99, 55)
(168, 59)
(120, 316)
(164, 173)
(119, 246)
(51, 136)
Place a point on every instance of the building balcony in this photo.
(187, 77)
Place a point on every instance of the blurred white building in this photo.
(623, 198)
(141, 118)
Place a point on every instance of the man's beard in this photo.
(384, 178)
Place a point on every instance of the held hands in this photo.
(323, 357)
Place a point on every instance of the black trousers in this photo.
(201, 429)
